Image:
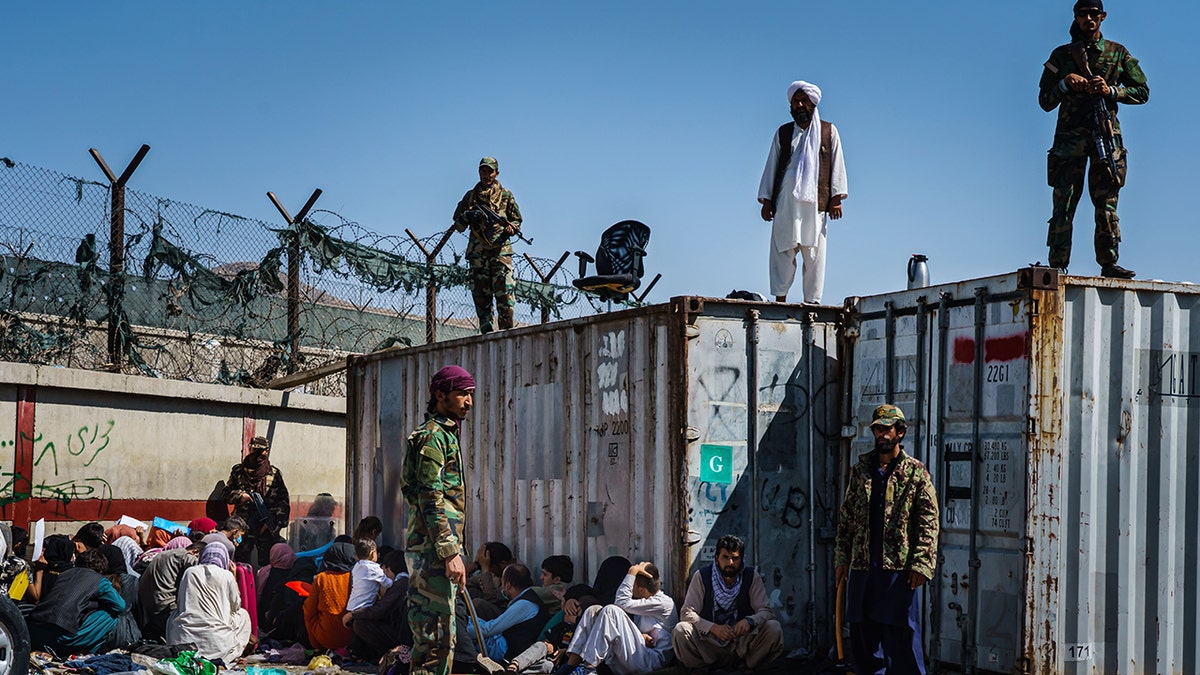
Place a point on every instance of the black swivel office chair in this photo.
(618, 262)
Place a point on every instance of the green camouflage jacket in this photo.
(432, 484)
(1107, 59)
(483, 236)
(275, 498)
(910, 518)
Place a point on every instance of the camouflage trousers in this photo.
(492, 277)
(430, 614)
(1067, 163)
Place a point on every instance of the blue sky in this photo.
(658, 111)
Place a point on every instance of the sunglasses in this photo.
(1089, 13)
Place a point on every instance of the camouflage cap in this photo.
(490, 161)
(887, 415)
(260, 443)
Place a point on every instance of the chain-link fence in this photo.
(203, 295)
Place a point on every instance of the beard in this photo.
(729, 574)
(885, 447)
(801, 116)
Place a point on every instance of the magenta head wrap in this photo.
(451, 378)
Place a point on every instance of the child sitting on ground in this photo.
(367, 579)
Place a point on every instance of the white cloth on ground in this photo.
(210, 614)
(367, 582)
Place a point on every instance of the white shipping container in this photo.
(646, 433)
(1060, 418)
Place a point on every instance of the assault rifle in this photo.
(264, 522)
(1103, 136)
(482, 212)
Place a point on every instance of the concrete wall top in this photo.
(139, 385)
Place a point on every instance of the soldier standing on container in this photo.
(432, 484)
(1085, 103)
(887, 539)
(802, 187)
(489, 251)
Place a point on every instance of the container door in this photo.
(763, 432)
(959, 369)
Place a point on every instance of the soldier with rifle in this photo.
(258, 495)
(492, 215)
(1085, 80)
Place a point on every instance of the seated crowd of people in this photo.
(123, 588)
(623, 620)
(119, 588)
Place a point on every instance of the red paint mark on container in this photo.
(995, 349)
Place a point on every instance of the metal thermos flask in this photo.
(918, 271)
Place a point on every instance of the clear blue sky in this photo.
(657, 111)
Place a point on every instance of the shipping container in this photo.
(646, 433)
(1060, 419)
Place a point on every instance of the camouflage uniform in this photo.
(432, 484)
(275, 499)
(1073, 145)
(489, 253)
(910, 530)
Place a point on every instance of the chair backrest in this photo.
(615, 255)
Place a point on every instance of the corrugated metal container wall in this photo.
(1078, 551)
(626, 434)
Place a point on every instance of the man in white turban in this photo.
(802, 187)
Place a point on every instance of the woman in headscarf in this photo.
(203, 525)
(210, 613)
(58, 552)
(112, 533)
(285, 611)
(273, 576)
(131, 551)
(326, 603)
(156, 543)
(79, 613)
(127, 630)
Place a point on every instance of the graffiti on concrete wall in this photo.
(53, 453)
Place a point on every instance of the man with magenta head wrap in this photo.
(432, 484)
(802, 187)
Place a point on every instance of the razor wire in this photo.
(203, 293)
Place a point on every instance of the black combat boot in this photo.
(1114, 271)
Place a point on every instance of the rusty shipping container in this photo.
(646, 433)
(1060, 418)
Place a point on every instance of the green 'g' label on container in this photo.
(716, 464)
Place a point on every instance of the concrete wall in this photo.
(79, 445)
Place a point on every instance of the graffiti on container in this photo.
(84, 444)
(784, 608)
(995, 349)
(610, 374)
(905, 372)
(1172, 375)
(790, 505)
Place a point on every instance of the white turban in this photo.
(811, 90)
(808, 166)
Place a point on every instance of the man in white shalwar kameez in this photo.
(802, 188)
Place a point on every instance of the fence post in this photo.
(295, 254)
(430, 286)
(547, 277)
(116, 249)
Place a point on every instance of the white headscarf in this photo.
(810, 152)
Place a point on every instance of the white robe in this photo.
(799, 227)
(210, 614)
